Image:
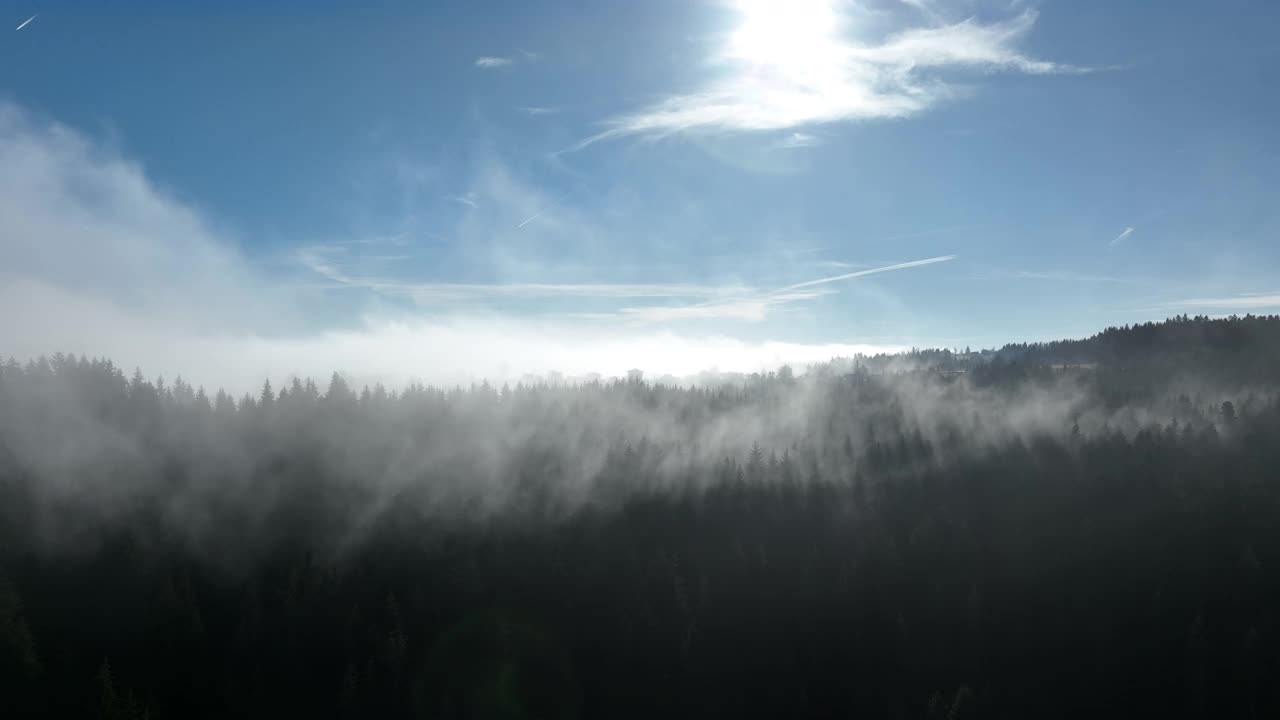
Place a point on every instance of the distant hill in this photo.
(1122, 364)
(1232, 349)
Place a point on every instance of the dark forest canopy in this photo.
(1236, 349)
(1065, 529)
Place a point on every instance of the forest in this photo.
(1082, 528)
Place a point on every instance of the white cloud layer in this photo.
(792, 64)
(455, 349)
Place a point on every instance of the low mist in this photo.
(220, 470)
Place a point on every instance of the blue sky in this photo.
(583, 186)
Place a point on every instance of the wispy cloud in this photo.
(787, 65)
(693, 301)
(321, 260)
(1065, 276)
(750, 309)
(489, 62)
(870, 271)
(96, 259)
(1126, 233)
(468, 199)
(26, 22)
(799, 140)
(540, 110)
(1241, 301)
(756, 306)
(80, 218)
(923, 6)
(529, 219)
(951, 229)
(837, 264)
(435, 292)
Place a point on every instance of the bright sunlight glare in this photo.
(795, 38)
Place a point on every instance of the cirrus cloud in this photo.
(787, 65)
(487, 62)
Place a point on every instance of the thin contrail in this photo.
(529, 219)
(1127, 232)
(871, 271)
(26, 22)
(769, 297)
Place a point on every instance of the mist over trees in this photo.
(1081, 527)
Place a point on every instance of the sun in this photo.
(793, 37)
